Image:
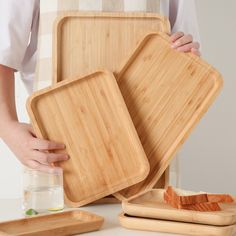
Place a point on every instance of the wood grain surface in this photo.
(152, 205)
(89, 41)
(86, 41)
(63, 224)
(89, 116)
(175, 227)
(166, 93)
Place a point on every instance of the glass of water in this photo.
(43, 192)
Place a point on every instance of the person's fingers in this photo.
(53, 157)
(176, 36)
(196, 45)
(44, 168)
(187, 47)
(41, 144)
(30, 128)
(48, 158)
(196, 52)
(182, 41)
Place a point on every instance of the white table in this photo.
(11, 209)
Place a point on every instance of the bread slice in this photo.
(203, 206)
(183, 197)
(220, 198)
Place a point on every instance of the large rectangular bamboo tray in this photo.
(89, 41)
(90, 117)
(166, 92)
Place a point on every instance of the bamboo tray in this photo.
(89, 41)
(174, 227)
(86, 41)
(106, 200)
(60, 224)
(112, 200)
(89, 116)
(152, 205)
(166, 93)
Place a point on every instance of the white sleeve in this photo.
(183, 18)
(15, 27)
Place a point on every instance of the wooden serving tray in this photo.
(174, 227)
(112, 200)
(106, 200)
(152, 205)
(89, 41)
(86, 41)
(166, 93)
(64, 223)
(89, 116)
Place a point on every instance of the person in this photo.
(19, 21)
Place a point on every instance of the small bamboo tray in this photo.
(60, 224)
(174, 227)
(152, 205)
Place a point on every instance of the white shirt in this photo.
(18, 37)
(19, 21)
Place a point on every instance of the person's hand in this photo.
(185, 43)
(31, 151)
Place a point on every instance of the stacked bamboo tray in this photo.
(89, 106)
(123, 102)
(149, 212)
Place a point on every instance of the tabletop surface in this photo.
(11, 209)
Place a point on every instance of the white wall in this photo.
(208, 158)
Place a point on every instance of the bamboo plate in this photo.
(174, 227)
(64, 223)
(89, 116)
(89, 41)
(152, 205)
(166, 93)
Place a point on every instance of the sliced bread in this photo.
(203, 206)
(182, 197)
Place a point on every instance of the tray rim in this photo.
(125, 221)
(29, 105)
(95, 222)
(205, 106)
(89, 14)
(220, 218)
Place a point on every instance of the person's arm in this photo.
(185, 33)
(19, 137)
(15, 28)
(7, 97)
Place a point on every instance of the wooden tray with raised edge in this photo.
(89, 116)
(174, 227)
(61, 224)
(162, 182)
(152, 205)
(79, 36)
(89, 41)
(166, 93)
